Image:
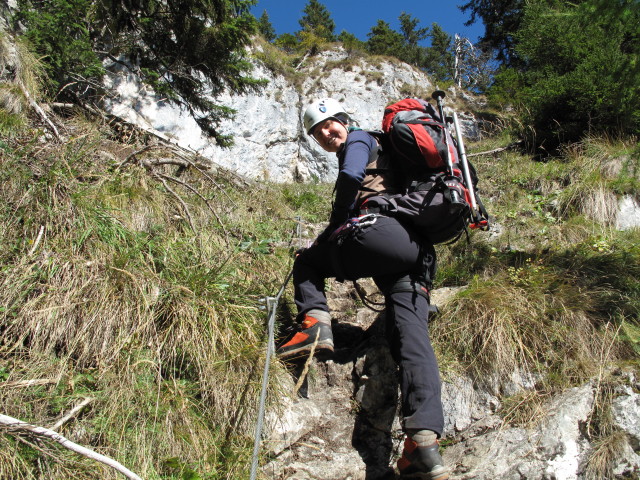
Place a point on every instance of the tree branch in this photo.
(29, 383)
(39, 111)
(178, 198)
(15, 425)
(72, 413)
(37, 241)
(195, 191)
(496, 150)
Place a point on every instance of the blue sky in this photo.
(358, 16)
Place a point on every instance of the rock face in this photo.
(270, 143)
(342, 423)
(628, 213)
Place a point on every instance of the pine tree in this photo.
(412, 53)
(579, 69)
(351, 42)
(383, 40)
(439, 59)
(66, 48)
(317, 21)
(501, 19)
(265, 27)
(189, 51)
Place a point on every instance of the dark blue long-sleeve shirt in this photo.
(353, 160)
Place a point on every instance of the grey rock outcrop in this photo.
(270, 143)
(628, 213)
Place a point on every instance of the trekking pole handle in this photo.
(465, 164)
(438, 95)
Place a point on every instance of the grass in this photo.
(555, 298)
(119, 299)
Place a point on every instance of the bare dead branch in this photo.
(37, 241)
(134, 155)
(158, 162)
(39, 111)
(195, 191)
(18, 426)
(72, 413)
(178, 198)
(29, 383)
(496, 150)
(209, 177)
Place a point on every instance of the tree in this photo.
(317, 20)
(412, 52)
(501, 19)
(383, 40)
(439, 59)
(266, 28)
(471, 65)
(168, 44)
(579, 68)
(65, 47)
(351, 42)
(287, 42)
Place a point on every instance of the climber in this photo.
(356, 245)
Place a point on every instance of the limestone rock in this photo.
(270, 143)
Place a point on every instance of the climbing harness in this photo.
(351, 226)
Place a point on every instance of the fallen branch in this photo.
(29, 383)
(496, 150)
(133, 155)
(39, 111)
(196, 192)
(210, 178)
(18, 426)
(178, 198)
(37, 241)
(72, 413)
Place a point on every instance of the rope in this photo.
(272, 306)
(370, 304)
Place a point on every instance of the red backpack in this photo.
(438, 195)
(418, 136)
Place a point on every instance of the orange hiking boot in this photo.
(316, 329)
(422, 463)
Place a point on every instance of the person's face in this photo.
(330, 134)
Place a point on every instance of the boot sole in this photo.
(322, 350)
(438, 475)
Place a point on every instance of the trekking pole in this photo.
(465, 167)
(479, 215)
(438, 95)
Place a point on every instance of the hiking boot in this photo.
(423, 463)
(314, 332)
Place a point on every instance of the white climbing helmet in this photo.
(322, 109)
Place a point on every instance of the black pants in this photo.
(390, 254)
